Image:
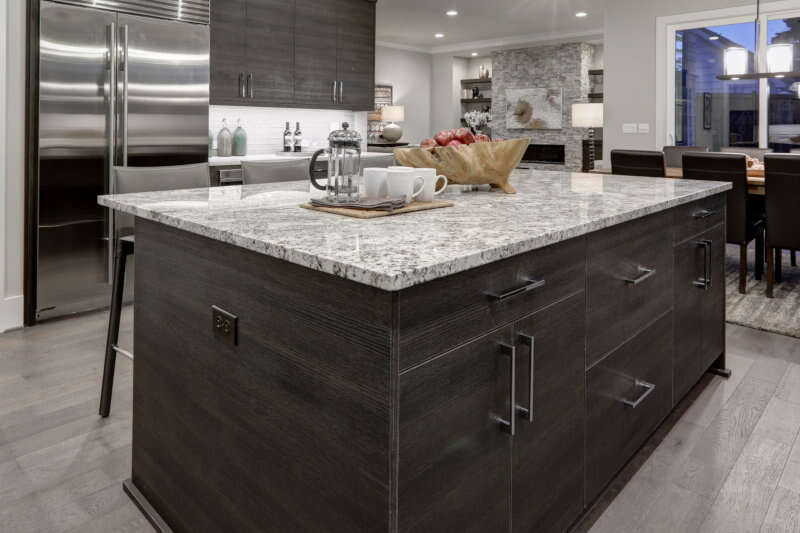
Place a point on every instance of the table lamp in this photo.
(588, 116)
(391, 114)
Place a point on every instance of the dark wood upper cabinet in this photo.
(302, 53)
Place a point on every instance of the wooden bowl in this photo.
(469, 164)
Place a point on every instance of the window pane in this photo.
(784, 93)
(711, 112)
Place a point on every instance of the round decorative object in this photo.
(392, 132)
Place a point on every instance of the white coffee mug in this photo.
(375, 182)
(431, 179)
(405, 182)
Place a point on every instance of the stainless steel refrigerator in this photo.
(126, 86)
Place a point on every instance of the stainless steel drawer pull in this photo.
(648, 388)
(705, 282)
(527, 412)
(510, 425)
(242, 88)
(334, 85)
(645, 273)
(704, 213)
(530, 284)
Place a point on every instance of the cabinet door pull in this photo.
(242, 93)
(530, 284)
(704, 213)
(333, 92)
(341, 92)
(705, 282)
(648, 388)
(527, 412)
(510, 425)
(645, 273)
(250, 88)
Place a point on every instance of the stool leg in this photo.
(118, 285)
(759, 254)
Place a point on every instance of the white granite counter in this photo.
(396, 252)
(216, 161)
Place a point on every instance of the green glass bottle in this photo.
(239, 139)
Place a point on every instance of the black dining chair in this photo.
(638, 163)
(130, 180)
(782, 185)
(745, 221)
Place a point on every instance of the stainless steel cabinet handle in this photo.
(341, 92)
(334, 85)
(250, 88)
(527, 412)
(648, 388)
(645, 273)
(242, 92)
(510, 425)
(123, 67)
(530, 284)
(705, 282)
(704, 213)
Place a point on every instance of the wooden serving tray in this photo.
(374, 213)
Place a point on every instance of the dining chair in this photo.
(274, 171)
(673, 155)
(757, 153)
(130, 180)
(745, 221)
(638, 163)
(782, 186)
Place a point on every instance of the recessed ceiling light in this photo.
(439, 35)
(581, 14)
(713, 38)
(474, 54)
(451, 13)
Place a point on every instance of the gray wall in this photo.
(630, 65)
(409, 73)
(562, 66)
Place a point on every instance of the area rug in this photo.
(780, 314)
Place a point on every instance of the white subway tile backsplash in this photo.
(265, 125)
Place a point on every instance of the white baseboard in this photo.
(11, 312)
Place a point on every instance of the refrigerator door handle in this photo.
(112, 102)
(123, 67)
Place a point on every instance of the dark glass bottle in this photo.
(287, 138)
(298, 138)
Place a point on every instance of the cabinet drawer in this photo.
(628, 394)
(629, 281)
(437, 316)
(697, 217)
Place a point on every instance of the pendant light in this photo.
(780, 59)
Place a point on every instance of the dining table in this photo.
(755, 177)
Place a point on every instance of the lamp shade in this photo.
(780, 57)
(393, 113)
(587, 115)
(735, 60)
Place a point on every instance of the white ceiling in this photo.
(484, 24)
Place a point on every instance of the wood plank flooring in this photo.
(728, 458)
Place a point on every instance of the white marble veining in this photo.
(397, 252)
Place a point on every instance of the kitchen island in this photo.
(487, 367)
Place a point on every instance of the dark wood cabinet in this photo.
(301, 53)
(547, 452)
(455, 467)
(699, 307)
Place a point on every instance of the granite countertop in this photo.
(217, 161)
(397, 252)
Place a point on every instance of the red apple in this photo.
(443, 137)
(428, 143)
(455, 143)
(465, 136)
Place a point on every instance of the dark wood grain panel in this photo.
(228, 50)
(315, 49)
(446, 312)
(455, 462)
(270, 51)
(614, 431)
(699, 313)
(266, 435)
(547, 489)
(696, 217)
(618, 310)
(356, 54)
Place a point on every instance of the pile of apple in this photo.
(456, 138)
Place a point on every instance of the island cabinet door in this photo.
(699, 307)
(455, 439)
(547, 473)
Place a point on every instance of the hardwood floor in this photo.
(728, 458)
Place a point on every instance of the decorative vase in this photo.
(239, 139)
(224, 140)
